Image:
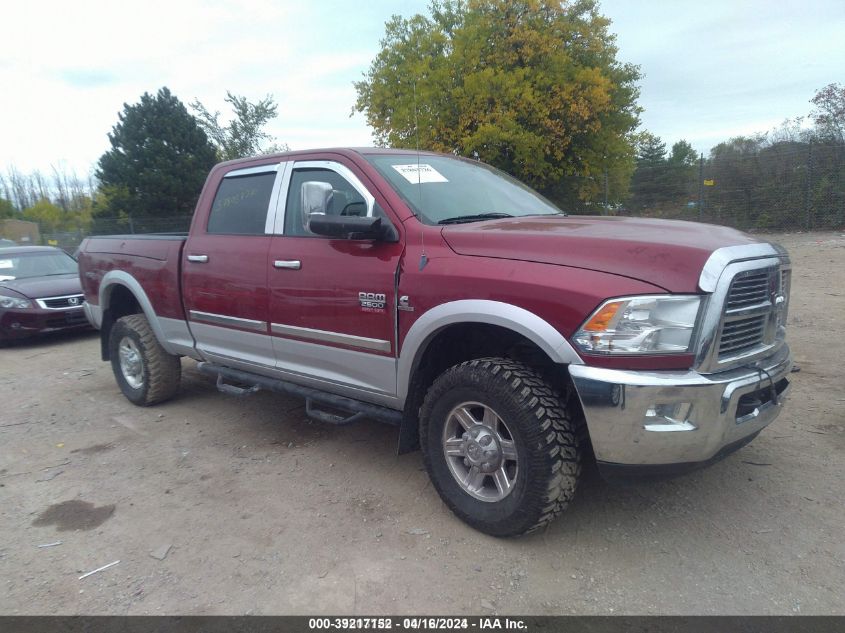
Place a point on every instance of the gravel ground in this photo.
(215, 505)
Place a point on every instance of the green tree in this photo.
(651, 151)
(829, 112)
(108, 210)
(650, 179)
(735, 166)
(49, 217)
(682, 163)
(662, 183)
(530, 86)
(683, 155)
(7, 209)
(159, 159)
(828, 182)
(244, 135)
(81, 212)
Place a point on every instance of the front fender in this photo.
(505, 315)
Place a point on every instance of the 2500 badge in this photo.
(372, 300)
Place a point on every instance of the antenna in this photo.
(423, 256)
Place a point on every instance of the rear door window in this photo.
(241, 204)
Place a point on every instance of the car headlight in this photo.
(658, 324)
(14, 302)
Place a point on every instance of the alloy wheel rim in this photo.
(480, 452)
(131, 363)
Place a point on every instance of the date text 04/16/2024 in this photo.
(417, 623)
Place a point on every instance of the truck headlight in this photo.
(14, 302)
(659, 324)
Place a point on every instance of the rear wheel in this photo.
(499, 446)
(145, 372)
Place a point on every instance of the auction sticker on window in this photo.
(420, 173)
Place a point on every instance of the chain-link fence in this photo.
(746, 183)
(70, 240)
(130, 226)
(778, 187)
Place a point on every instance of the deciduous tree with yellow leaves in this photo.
(530, 86)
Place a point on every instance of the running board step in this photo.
(355, 408)
(329, 418)
(232, 390)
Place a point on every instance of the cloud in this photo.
(728, 68)
(86, 77)
(68, 68)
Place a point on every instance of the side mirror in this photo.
(351, 227)
(315, 197)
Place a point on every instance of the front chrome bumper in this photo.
(715, 416)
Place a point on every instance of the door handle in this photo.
(199, 259)
(291, 264)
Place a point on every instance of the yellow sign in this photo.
(53, 242)
(709, 182)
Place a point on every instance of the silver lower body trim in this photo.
(355, 374)
(177, 337)
(235, 348)
(623, 410)
(222, 319)
(324, 336)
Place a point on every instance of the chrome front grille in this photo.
(748, 289)
(742, 335)
(753, 311)
(747, 296)
(785, 289)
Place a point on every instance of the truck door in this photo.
(224, 279)
(333, 301)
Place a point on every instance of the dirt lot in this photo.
(265, 511)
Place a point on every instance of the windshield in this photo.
(36, 265)
(445, 190)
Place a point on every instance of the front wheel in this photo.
(145, 372)
(499, 446)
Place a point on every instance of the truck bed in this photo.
(154, 260)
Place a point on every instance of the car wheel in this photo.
(499, 446)
(145, 372)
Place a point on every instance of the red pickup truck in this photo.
(503, 337)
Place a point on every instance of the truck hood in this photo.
(666, 253)
(49, 286)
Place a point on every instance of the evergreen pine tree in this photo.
(158, 161)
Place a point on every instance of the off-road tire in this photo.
(543, 431)
(162, 372)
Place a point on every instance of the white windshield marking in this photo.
(418, 174)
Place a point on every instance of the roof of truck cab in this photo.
(392, 150)
(330, 150)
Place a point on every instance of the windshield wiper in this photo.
(461, 219)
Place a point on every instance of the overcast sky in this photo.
(712, 69)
